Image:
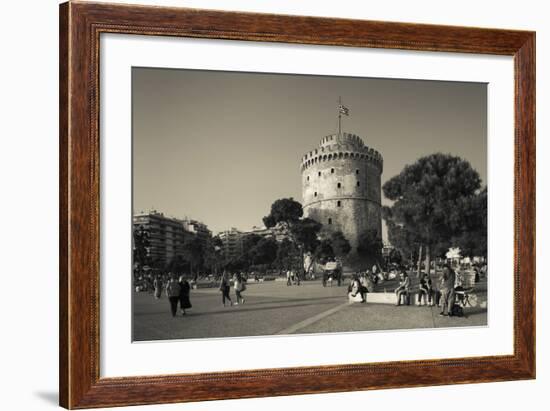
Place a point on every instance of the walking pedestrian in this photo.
(173, 293)
(239, 286)
(185, 290)
(288, 278)
(225, 286)
(447, 290)
(157, 284)
(297, 277)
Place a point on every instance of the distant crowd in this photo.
(446, 290)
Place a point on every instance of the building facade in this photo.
(341, 186)
(197, 228)
(277, 232)
(232, 243)
(232, 240)
(168, 235)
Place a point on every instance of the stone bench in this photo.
(390, 298)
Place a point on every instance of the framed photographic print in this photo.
(259, 205)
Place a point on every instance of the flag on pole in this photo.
(343, 110)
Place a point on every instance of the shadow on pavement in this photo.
(239, 308)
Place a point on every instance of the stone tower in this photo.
(341, 186)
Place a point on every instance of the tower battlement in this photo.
(344, 146)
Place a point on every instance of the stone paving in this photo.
(275, 308)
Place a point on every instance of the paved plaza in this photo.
(274, 308)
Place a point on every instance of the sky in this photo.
(220, 147)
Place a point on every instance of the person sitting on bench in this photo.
(426, 291)
(357, 292)
(404, 288)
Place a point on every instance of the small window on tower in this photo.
(319, 174)
(357, 171)
(315, 194)
(358, 183)
(339, 203)
(339, 185)
(332, 171)
(307, 178)
(330, 220)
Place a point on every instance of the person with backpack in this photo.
(173, 290)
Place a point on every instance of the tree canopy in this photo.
(303, 232)
(265, 251)
(194, 252)
(369, 246)
(332, 246)
(437, 203)
(284, 210)
(141, 243)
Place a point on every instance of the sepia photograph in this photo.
(272, 204)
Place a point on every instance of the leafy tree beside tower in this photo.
(437, 203)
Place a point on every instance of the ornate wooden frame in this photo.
(80, 27)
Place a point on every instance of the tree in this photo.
(285, 211)
(472, 237)
(395, 257)
(176, 265)
(213, 254)
(324, 251)
(141, 254)
(332, 245)
(369, 246)
(264, 252)
(194, 252)
(303, 232)
(407, 242)
(250, 241)
(340, 244)
(246, 259)
(429, 199)
(286, 255)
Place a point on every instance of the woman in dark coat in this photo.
(225, 286)
(173, 293)
(185, 290)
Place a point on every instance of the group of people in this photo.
(445, 295)
(178, 291)
(239, 285)
(363, 283)
(293, 278)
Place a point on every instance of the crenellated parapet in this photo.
(344, 146)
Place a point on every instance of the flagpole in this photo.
(339, 116)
